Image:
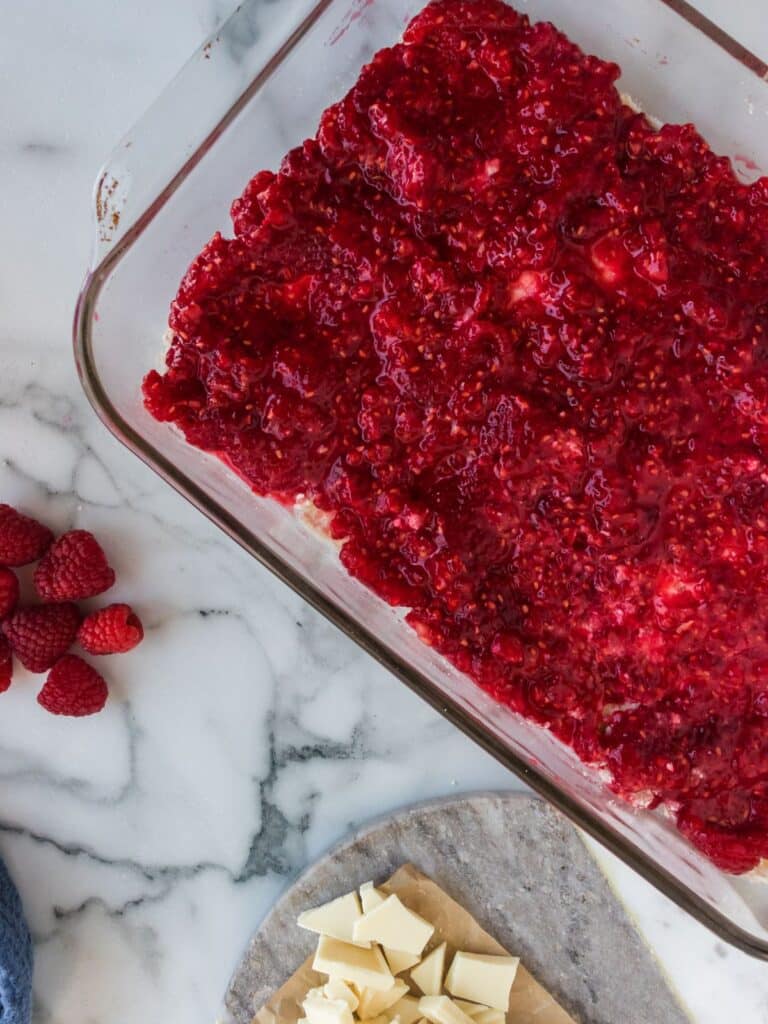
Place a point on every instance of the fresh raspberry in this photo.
(6, 664)
(111, 630)
(73, 687)
(40, 635)
(22, 539)
(74, 568)
(9, 591)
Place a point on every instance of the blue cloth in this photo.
(15, 956)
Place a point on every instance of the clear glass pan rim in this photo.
(84, 315)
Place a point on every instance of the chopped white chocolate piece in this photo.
(383, 1019)
(399, 961)
(471, 1009)
(370, 896)
(361, 967)
(482, 978)
(319, 1010)
(373, 1004)
(442, 1010)
(481, 1014)
(336, 918)
(489, 1015)
(394, 925)
(429, 974)
(406, 1010)
(338, 989)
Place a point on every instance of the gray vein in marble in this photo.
(42, 148)
(78, 788)
(42, 406)
(276, 847)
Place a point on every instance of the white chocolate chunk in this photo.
(489, 1015)
(383, 1019)
(336, 918)
(481, 1014)
(370, 896)
(471, 1009)
(442, 1010)
(338, 989)
(483, 979)
(361, 967)
(429, 974)
(394, 925)
(406, 1010)
(399, 961)
(319, 1010)
(373, 1003)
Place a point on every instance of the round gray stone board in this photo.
(520, 869)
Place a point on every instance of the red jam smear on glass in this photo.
(513, 339)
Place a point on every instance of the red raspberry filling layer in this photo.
(514, 340)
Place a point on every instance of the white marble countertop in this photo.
(247, 734)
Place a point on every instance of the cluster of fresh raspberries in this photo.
(69, 569)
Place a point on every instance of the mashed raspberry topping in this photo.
(513, 339)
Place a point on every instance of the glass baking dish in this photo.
(255, 89)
